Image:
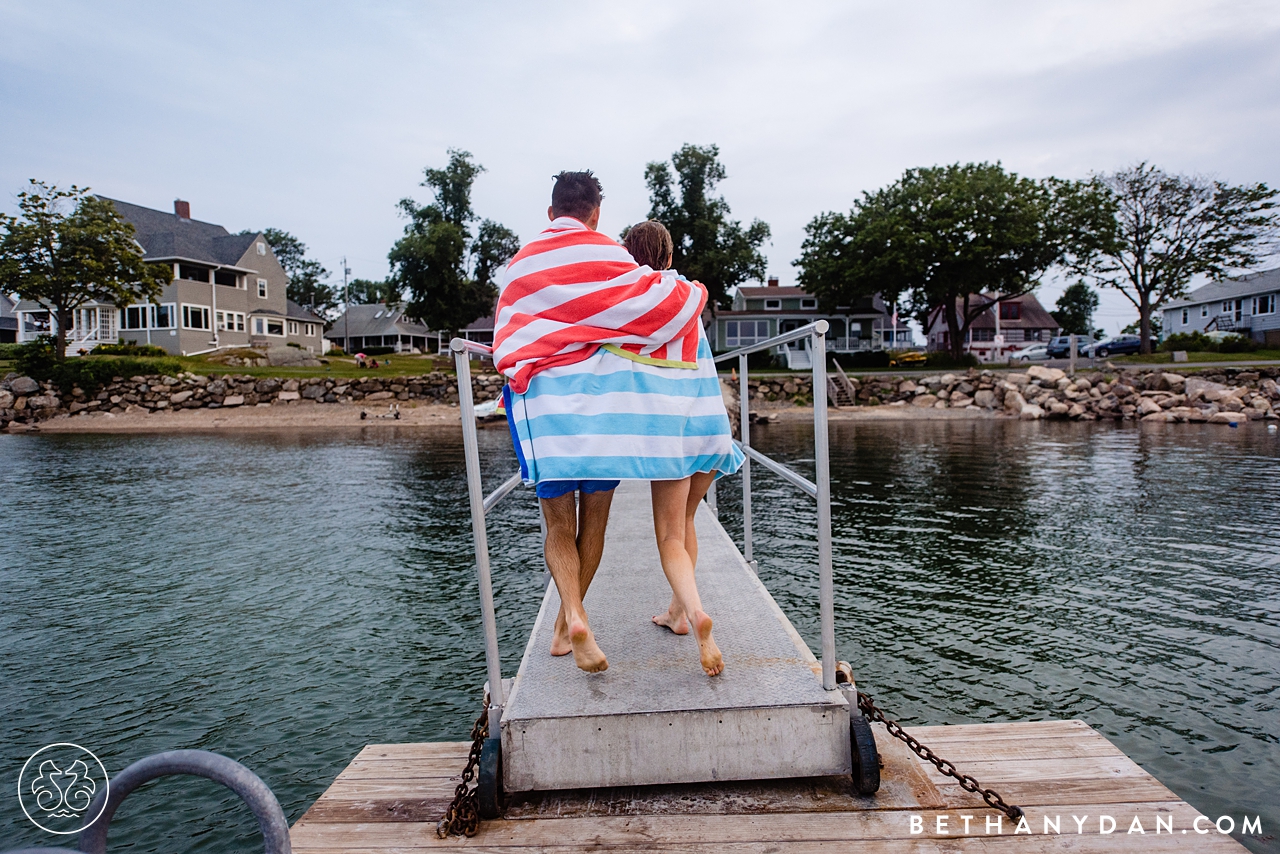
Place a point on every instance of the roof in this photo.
(1233, 288)
(297, 312)
(761, 291)
(1032, 314)
(360, 321)
(165, 235)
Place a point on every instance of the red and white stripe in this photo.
(572, 289)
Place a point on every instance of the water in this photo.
(286, 599)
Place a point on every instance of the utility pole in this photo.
(346, 305)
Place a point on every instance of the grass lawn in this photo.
(340, 366)
(1167, 358)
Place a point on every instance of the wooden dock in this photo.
(391, 796)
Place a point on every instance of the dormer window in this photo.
(377, 314)
(773, 305)
(1010, 311)
(262, 248)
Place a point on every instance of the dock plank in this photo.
(1050, 768)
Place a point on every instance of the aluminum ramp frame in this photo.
(654, 716)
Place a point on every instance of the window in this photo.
(772, 304)
(1204, 310)
(808, 302)
(231, 321)
(377, 314)
(262, 248)
(984, 334)
(1264, 304)
(1186, 316)
(293, 327)
(192, 273)
(135, 317)
(164, 316)
(1226, 306)
(1010, 311)
(226, 277)
(262, 288)
(195, 317)
(268, 326)
(740, 333)
(311, 330)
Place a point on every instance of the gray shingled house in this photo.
(228, 290)
(1000, 330)
(1245, 305)
(364, 327)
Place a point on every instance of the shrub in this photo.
(378, 351)
(1201, 343)
(36, 360)
(1238, 344)
(865, 359)
(9, 351)
(129, 349)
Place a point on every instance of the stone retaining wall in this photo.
(24, 400)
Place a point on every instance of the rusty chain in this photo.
(992, 798)
(463, 815)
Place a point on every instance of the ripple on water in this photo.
(288, 598)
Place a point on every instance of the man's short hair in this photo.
(576, 194)
(650, 244)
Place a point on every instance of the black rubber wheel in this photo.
(866, 759)
(1104, 353)
(489, 779)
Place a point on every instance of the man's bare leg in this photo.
(562, 560)
(674, 618)
(593, 518)
(669, 512)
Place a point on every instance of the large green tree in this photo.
(1074, 309)
(940, 237)
(306, 275)
(709, 246)
(445, 271)
(1166, 229)
(67, 248)
(368, 292)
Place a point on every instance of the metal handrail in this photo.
(816, 332)
(480, 507)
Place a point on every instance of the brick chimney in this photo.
(773, 280)
(182, 209)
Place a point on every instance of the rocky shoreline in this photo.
(26, 401)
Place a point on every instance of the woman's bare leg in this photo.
(670, 499)
(698, 485)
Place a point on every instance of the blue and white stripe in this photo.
(612, 418)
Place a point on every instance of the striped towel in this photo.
(608, 417)
(572, 290)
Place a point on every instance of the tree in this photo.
(430, 263)
(709, 247)
(305, 274)
(942, 237)
(367, 292)
(64, 260)
(1075, 308)
(1164, 230)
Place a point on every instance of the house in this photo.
(364, 327)
(762, 311)
(228, 290)
(1243, 304)
(8, 320)
(1000, 330)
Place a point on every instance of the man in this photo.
(563, 296)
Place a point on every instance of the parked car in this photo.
(1034, 353)
(1060, 347)
(1117, 345)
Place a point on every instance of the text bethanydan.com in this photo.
(961, 824)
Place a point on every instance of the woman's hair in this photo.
(650, 244)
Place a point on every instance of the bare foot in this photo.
(560, 642)
(712, 662)
(586, 654)
(673, 619)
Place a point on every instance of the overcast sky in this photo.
(317, 117)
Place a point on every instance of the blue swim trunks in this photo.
(556, 488)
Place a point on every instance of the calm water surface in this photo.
(286, 599)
